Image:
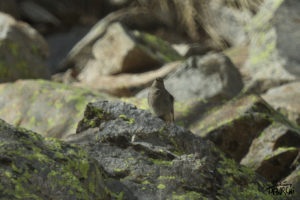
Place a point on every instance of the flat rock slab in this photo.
(49, 108)
(147, 158)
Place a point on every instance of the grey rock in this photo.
(49, 108)
(157, 160)
(209, 76)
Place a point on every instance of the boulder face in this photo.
(210, 77)
(254, 134)
(233, 126)
(286, 96)
(127, 52)
(147, 158)
(22, 51)
(274, 46)
(51, 109)
(33, 167)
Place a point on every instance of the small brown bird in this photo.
(161, 101)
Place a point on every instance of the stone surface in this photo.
(274, 33)
(33, 167)
(128, 51)
(212, 76)
(49, 108)
(286, 96)
(147, 158)
(227, 23)
(294, 180)
(23, 51)
(272, 153)
(126, 84)
(234, 125)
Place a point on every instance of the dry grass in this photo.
(193, 16)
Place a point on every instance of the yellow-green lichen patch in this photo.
(188, 195)
(231, 172)
(125, 118)
(166, 178)
(161, 162)
(162, 49)
(161, 186)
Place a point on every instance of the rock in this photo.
(127, 52)
(10, 7)
(233, 126)
(157, 160)
(294, 180)
(286, 96)
(23, 51)
(209, 77)
(125, 84)
(49, 108)
(32, 167)
(274, 33)
(225, 23)
(273, 151)
(121, 45)
(60, 43)
(46, 15)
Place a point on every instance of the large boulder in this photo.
(127, 51)
(49, 108)
(254, 134)
(147, 158)
(33, 167)
(212, 76)
(273, 51)
(23, 51)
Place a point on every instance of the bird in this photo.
(160, 101)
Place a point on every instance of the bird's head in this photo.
(158, 82)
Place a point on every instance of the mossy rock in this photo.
(46, 107)
(33, 167)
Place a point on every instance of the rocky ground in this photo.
(74, 118)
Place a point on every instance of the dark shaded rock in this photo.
(32, 167)
(294, 180)
(212, 76)
(273, 152)
(60, 43)
(274, 33)
(10, 7)
(23, 51)
(157, 160)
(49, 108)
(233, 126)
